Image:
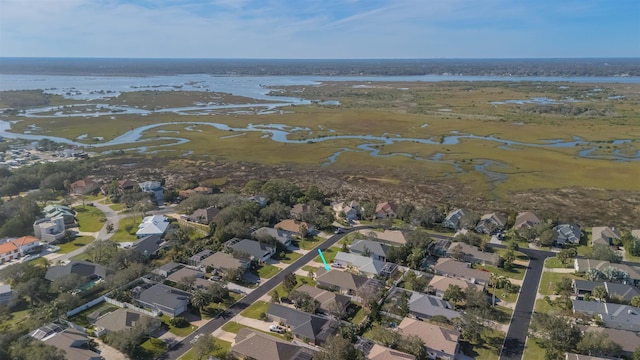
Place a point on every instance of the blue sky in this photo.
(320, 29)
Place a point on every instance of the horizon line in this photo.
(321, 59)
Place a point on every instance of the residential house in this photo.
(375, 249)
(342, 281)
(126, 185)
(622, 291)
(469, 253)
(604, 235)
(365, 265)
(154, 188)
(386, 209)
(303, 326)
(251, 344)
(74, 343)
(453, 268)
(196, 259)
(583, 265)
(351, 210)
(329, 301)
(26, 244)
(615, 316)
(567, 233)
(256, 251)
(6, 294)
(379, 352)
(526, 219)
(49, 230)
(293, 226)
(168, 300)
(223, 262)
(84, 186)
(439, 284)
(453, 219)
(89, 271)
(629, 340)
(439, 247)
(153, 225)
(282, 236)
(8, 251)
(122, 319)
(198, 190)
(204, 216)
(423, 306)
(490, 222)
(168, 269)
(441, 343)
(67, 213)
(185, 275)
(389, 237)
(299, 210)
(149, 245)
(261, 200)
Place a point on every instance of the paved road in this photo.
(513, 347)
(249, 299)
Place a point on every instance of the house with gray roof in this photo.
(87, 270)
(186, 275)
(197, 259)
(461, 270)
(341, 281)
(376, 250)
(260, 346)
(203, 216)
(74, 343)
(168, 300)
(452, 220)
(122, 319)
(168, 268)
(423, 306)
(567, 233)
(365, 265)
(471, 254)
(282, 236)
(303, 325)
(223, 262)
(583, 265)
(629, 340)
(615, 316)
(149, 245)
(622, 291)
(257, 251)
(328, 300)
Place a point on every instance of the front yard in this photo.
(488, 348)
(549, 280)
(329, 255)
(255, 310)
(222, 346)
(517, 272)
(310, 243)
(268, 271)
(121, 235)
(290, 257)
(554, 263)
(75, 244)
(182, 332)
(90, 218)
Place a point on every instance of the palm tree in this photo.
(200, 299)
(599, 292)
(493, 281)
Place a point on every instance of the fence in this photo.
(86, 306)
(153, 313)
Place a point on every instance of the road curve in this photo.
(249, 299)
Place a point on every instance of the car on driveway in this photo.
(277, 329)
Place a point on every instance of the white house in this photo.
(26, 244)
(49, 230)
(152, 225)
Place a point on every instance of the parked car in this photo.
(277, 329)
(237, 291)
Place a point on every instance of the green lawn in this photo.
(359, 315)
(154, 347)
(308, 244)
(533, 350)
(268, 271)
(177, 331)
(505, 316)
(116, 207)
(308, 268)
(517, 272)
(504, 295)
(90, 218)
(17, 318)
(554, 263)
(290, 257)
(549, 279)
(255, 309)
(224, 347)
(81, 317)
(542, 306)
(301, 280)
(488, 348)
(121, 235)
(75, 244)
(234, 327)
(329, 255)
(519, 254)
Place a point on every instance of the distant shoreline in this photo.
(498, 68)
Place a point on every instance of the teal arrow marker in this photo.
(323, 260)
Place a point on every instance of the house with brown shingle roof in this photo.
(204, 216)
(526, 219)
(441, 343)
(259, 346)
(461, 270)
(327, 299)
(292, 226)
(389, 237)
(491, 222)
(386, 209)
(342, 281)
(298, 210)
(604, 235)
(84, 186)
(379, 352)
(439, 284)
(224, 262)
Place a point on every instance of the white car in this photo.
(277, 329)
(196, 338)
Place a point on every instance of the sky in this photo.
(320, 29)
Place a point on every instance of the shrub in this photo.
(179, 322)
(263, 316)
